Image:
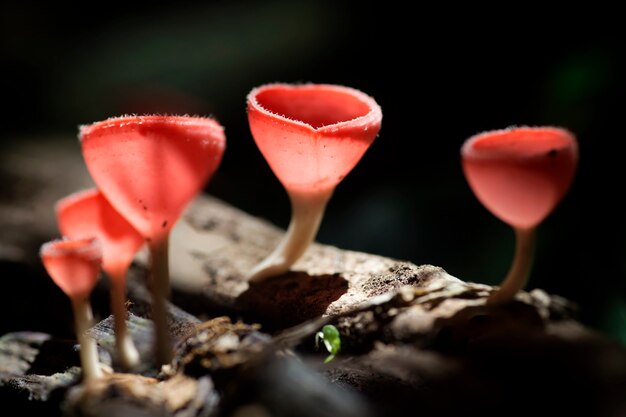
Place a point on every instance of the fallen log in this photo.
(414, 339)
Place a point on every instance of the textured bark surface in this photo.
(414, 339)
(215, 246)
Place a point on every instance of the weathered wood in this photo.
(130, 395)
(413, 337)
(181, 324)
(215, 245)
(37, 367)
(27, 376)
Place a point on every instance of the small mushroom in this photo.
(520, 174)
(311, 135)
(74, 265)
(88, 214)
(149, 168)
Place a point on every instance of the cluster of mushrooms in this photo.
(148, 168)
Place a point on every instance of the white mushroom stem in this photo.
(520, 269)
(88, 349)
(126, 350)
(307, 210)
(160, 286)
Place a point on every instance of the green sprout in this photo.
(332, 340)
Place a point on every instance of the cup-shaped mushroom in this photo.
(74, 265)
(149, 168)
(88, 214)
(312, 136)
(520, 174)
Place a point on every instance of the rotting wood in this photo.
(413, 337)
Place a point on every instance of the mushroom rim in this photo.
(89, 249)
(469, 149)
(371, 118)
(214, 128)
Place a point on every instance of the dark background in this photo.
(439, 76)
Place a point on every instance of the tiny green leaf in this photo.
(332, 341)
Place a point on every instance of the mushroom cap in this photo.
(73, 264)
(87, 214)
(312, 135)
(150, 167)
(521, 173)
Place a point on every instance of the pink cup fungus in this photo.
(311, 135)
(149, 168)
(520, 174)
(88, 214)
(74, 265)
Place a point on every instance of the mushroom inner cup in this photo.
(314, 106)
(518, 142)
